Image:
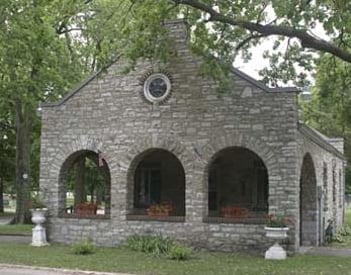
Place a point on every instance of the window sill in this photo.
(258, 220)
(134, 217)
(91, 217)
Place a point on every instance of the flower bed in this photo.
(160, 210)
(85, 209)
(234, 212)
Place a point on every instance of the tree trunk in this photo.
(1, 195)
(79, 187)
(22, 162)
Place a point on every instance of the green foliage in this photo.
(84, 247)
(342, 234)
(345, 231)
(155, 245)
(37, 201)
(179, 252)
(330, 107)
(158, 246)
(278, 220)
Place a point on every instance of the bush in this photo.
(83, 247)
(158, 246)
(345, 231)
(179, 252)
(155, 245)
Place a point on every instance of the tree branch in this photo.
(247, 40)
(65, 30)
(307, 40)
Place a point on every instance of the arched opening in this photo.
(158, 184)
(308, 203)
(237, 185)
(85, 185)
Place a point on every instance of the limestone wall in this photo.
(109, 114)
(330, 189)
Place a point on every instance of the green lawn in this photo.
(123, 260)
(16, 229)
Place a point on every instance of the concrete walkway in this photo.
(8, 238)
(15, 239)
(326, 251)
(5, 220)
(34, 270)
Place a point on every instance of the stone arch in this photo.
(156, 177)
(237, 184)
(236, 139)
(308, 202)
(81, 143)
(66, 158)
(143, 147)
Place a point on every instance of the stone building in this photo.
(163, 138)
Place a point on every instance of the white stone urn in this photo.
(38, 232)
(276, 252)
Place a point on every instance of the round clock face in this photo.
(157, 87)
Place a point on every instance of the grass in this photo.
(16, 229)
(6, 214)
(204, 263)
(124, 260)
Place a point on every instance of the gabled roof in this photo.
(235, 71)
(261, 86)
(73, 92)
(319, 139)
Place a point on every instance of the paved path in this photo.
(5, 219)
(15, 239)
(28, 270)
(326, 251)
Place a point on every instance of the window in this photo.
(157, 88)
(341, 191)
(148, 185)
(325, 185)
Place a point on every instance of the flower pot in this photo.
(86, 209)
(276, 252)
(39, 232)
(278, 233)
(155, 213)
(163, 209)
(234, 212)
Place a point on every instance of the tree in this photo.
(36, 65)
(47, 45)
(330, 107)
(7, 153)
(227, 28)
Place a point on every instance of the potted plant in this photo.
(85, 209)
(160, 210)
(276, 228)
(234, 212)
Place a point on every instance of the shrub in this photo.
(84, 247)
(345, 231)
(158, 246)
(179, 252)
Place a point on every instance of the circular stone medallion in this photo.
(157, 87)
